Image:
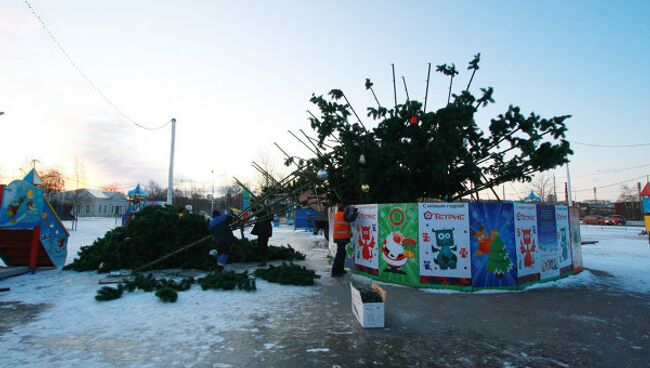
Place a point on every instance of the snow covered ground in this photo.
(621, 252)
(139, 331)
(136, 330)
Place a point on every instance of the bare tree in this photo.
(53, 181)
(154, 191)
(628, 194)
(233, 195)
(542, 185)
(269, 170)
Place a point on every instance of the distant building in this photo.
(92, 202)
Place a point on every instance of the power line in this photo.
(613, 171)
(612, 145)
(124, 152)
(85, 77)
(610, 185)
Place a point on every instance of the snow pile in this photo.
(621, 252)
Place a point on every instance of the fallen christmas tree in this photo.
(158, 231)
(288, 274)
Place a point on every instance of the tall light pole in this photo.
(212, 206)
(170, 179)
(568, 182)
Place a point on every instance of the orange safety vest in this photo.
(341, 227)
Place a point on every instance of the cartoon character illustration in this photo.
(445, 247)
(366, 242)
(527, 247)
(397, 250)
(498, 261)
(484, 241)
(564, 241)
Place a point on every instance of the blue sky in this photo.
(237, 75)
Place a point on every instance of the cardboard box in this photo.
(369, 315)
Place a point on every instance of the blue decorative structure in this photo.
(31, 233)
(532, 198)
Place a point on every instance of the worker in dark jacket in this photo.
(223, 238)
(264, 230)
(342, 236)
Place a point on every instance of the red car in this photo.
(597, 220)
(617, 219)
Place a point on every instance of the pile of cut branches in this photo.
(288, 274)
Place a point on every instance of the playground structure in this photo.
(644, 196)
(31, 233)
(137, 202)
(464, 246)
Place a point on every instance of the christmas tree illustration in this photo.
(498, 261)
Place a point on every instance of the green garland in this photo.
(288, 274)
(227, 281)
(166, 289)
(167, 295)
(107, 293)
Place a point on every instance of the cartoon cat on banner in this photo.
(444, 244)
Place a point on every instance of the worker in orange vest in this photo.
(342, 236)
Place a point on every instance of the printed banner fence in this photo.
(444, 244)
(366, 240)
(493, 245)
(563, 239)
(465, 246)
(398, 233)
(576, 246)
(549, 248)
(527, 243)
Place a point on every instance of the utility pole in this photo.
(212, 206)
(394, 87)
(568, 180)
(170, 179)
(566, 192)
